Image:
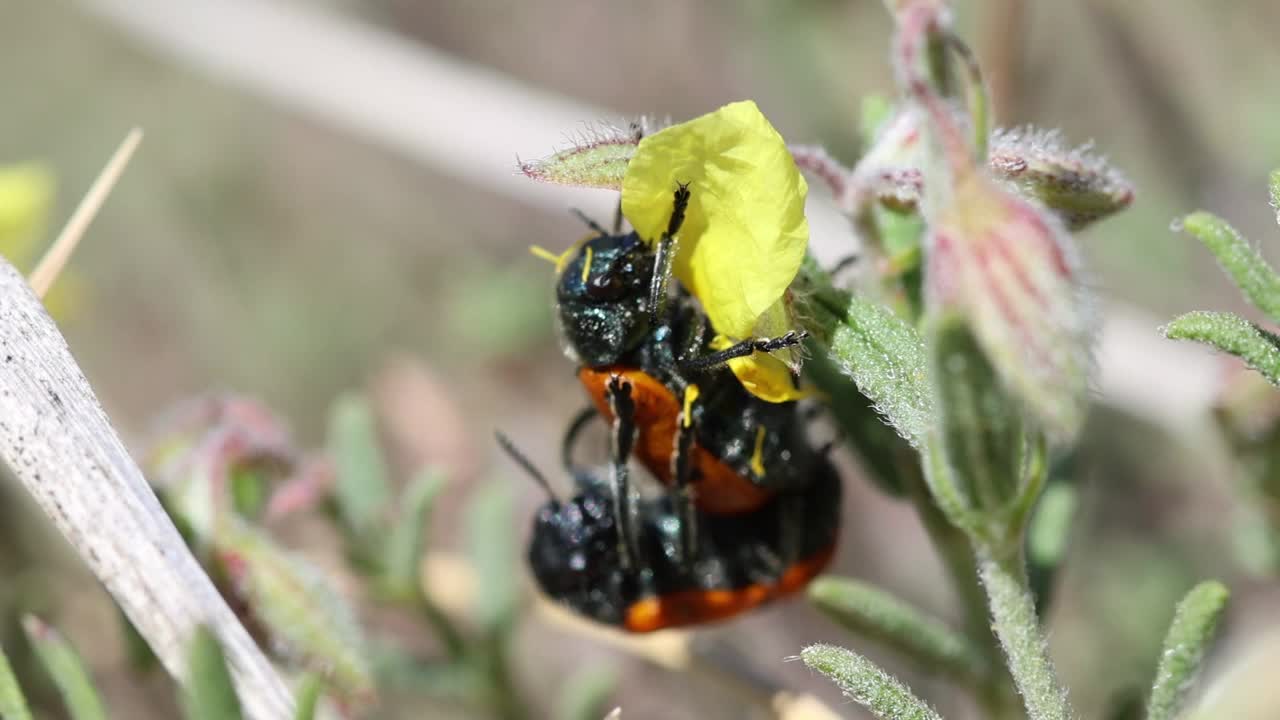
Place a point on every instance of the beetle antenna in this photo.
(525, 464)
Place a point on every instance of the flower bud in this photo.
(1010, 270)
(1075, 183)
(306, 622)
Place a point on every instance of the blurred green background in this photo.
(257, 246)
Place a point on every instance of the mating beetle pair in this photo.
(751, 509)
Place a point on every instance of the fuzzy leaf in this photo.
(64, 665)
(1189, 636)
(307, 622)
(1075, 183)
(866, 684)
(1246, 266)
(307, 696)
(209, 693)
(598, 159)
(1232, 334)
(886, 359)
(362, 490)
(13, 705)
(405, 544)
(884, 454)
(584, 695)
(1273, 185)
(878, 615)
(491, 538)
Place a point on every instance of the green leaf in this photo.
(362, 490)
(878, 615)
(1231, 334)
(1251, 273)
(885, 455)
(13, 706)
(879, 351)
(307, 696)
(1193, 627)
(1274, 188)
(584, 695)
(1048, 535)
(597, 160)
(209, 693)
(405, 544)
(866, 684)
(305, 619)
(980, 429)
(66, 668)
(491, 540)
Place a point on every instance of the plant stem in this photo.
(1014, 619)
(996, 695)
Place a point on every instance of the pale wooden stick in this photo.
(50, 266)
(57, 441)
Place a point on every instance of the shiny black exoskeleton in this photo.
(740, 561)
(617, 319)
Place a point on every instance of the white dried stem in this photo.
(57, 441)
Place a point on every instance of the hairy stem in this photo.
(952, 545)
(1013, 614)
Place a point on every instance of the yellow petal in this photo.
(768, 376)
(745, 232)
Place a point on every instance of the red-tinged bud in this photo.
(597, 159)
(1075, 183)
(306, 623)
(1010, 269)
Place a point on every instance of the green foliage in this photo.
(405, 543)
(304, 617)
(1190, 634)
(1246, 266)
(64, 665)
(1232, 334)
(864, 683)
(490, 523)
(878, 615)
(362, 492)
(209, 693)
(307, 696)
(879, 351)
(13, 705)
(597, 160)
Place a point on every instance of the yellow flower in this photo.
(26, 198)
(26, 201)
(744, 234)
